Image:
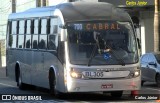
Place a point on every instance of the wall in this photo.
(23, 5)
(5, 9)
(147, 31)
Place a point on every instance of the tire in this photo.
(117, 94)
(52, 84)
(158, 80)
(20, 84)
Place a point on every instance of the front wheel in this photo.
(52, 84)
(117, 94)
(158, 80)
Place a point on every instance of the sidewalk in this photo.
(2, 72)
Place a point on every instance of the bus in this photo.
(74, 47)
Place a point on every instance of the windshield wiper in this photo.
(96, 34)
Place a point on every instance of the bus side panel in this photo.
(24, 67)
(27, 66)
(43, 60)
(37, 68)
(10, 61)
(17, 56)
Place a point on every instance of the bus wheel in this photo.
(21, 85)
(52, 84)
(158, 80)
(117, 94)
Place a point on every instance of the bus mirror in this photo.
(62, 26)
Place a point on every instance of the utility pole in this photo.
(13, 6)
(38, 3)
(156, 26)
(44, 2)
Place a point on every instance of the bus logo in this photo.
(6, 97)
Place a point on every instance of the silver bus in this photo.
(74, 47)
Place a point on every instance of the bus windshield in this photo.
(101, 43)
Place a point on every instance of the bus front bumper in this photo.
(97, 85)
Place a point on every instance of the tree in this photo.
(156, 27)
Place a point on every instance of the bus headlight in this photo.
(136, 73)
(75, 74)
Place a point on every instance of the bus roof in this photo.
(77, 11)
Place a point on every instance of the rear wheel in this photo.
(20, 84)
(158, 80)
(117, 94)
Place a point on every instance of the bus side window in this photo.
(28, 34)
(21, 34)
(43, 35)
(10, 38)
(13, 35)
(35, 44)
(52, 37)
(51, 42)
(53, 26)
(35, 35)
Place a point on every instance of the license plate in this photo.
(106, 86)
(93, 74)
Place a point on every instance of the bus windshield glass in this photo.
(101, 43)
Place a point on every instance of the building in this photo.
(5, 10)
(142, 13)
(2, 53)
